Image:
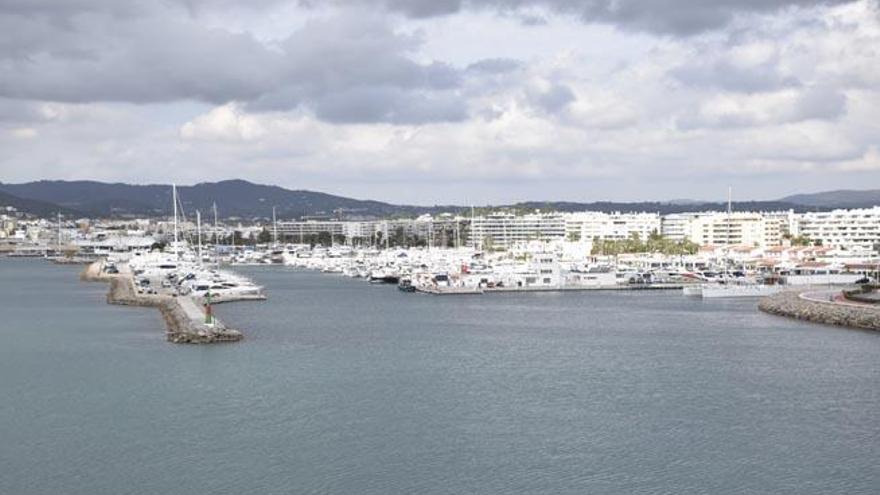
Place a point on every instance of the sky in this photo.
(447, 101)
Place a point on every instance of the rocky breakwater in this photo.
(803, 306)
(185, 320)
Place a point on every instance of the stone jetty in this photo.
(803, 306)
(184, 317)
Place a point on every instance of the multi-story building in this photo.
(434, 230)
(778, 225)
(678, 226)
(853, 230)
(847, 229)
(506, 229)
(737, 228)
(622, 226)
(297, 230)
(615, 226)
(585, 225)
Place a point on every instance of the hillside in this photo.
(838, 199)
(233, 198)
(239, 198)
(664, 208)
(35, 207)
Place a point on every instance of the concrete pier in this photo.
(184, 317)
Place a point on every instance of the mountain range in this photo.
(243, 199)
(843, 198)
(32, 206)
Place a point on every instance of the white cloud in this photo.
(224, 123)
(463, 106)
(24, 133)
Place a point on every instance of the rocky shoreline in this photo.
(792, 305)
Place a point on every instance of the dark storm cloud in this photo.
(145, 51)
(140, 61)
(89, 51)
(349, 69)
(677, 17)
(376, 104)
(19, 111)
(494, 66)
(765, 76)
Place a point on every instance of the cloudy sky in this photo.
(447, 101)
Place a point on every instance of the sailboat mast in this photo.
(729, 209)
(274, 229)
(471, 230)
(174, 200)
(216, 236)
(199, 233)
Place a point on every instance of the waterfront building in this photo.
(736, 228)
(504, 230)
(851, 230)
(103, 245)
(623, 226)
(615, 226)
(424, 227)
(677, 226)
(310, 227)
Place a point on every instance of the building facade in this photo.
(504, 230)
(589, 225)
(852, 230)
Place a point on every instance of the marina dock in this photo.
(451, 291)
(185, 317)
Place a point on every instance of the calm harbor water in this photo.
(342, 387)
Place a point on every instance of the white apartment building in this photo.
(762, 229)
(623, 225)
(364, 229)
(677, 226)
(617, 226)
(585, 225)
(852, 230)
(507, 229)
(737, 228)
(310, 227)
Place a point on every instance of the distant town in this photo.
(844, 235)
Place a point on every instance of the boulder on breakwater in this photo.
(792, 305)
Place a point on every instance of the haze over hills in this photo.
(239, 198)
(846, 198)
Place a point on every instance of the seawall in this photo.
(792, 305)
(184, 325)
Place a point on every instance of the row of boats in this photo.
(455, 271)
(182, 273)
(466, 270)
